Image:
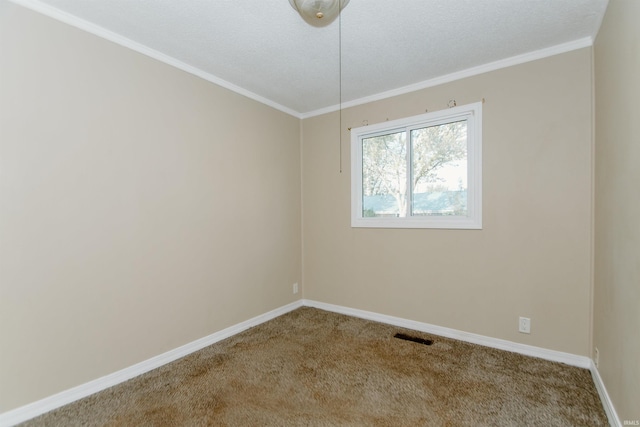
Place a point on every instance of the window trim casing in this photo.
(473, 221)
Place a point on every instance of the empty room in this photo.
(319, 212)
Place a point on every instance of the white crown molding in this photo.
(96, 30)
(458, 75)
(527, 350)
(612, 415)
(101, 32)
(599, 23)
(50, 403)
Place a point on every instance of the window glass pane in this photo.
(439, 170)
(384, 175)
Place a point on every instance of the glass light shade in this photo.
(318, 12)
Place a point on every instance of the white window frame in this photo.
(472, 113)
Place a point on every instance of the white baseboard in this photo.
(614, 420)
(55, 401)
(527, 350)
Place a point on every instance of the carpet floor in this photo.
(310, 367)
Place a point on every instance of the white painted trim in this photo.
(458, 75)
(94, 29)
(101, 32)
(612, 415)
(472, 113)
(55, 401)
(599, 24)
(50, 403)
(527, 350)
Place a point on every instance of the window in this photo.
(419, 172)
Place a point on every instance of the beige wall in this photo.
(141, 207)
(617, 227)
(533, 256)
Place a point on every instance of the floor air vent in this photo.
(413, 339)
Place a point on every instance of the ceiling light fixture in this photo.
(318, 12)
(321, 13)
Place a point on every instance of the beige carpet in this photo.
(315, 368)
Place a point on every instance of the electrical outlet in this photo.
(295, 288)
(596, 357)
(524, 325)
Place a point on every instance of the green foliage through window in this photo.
(422, 167)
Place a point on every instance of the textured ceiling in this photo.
(262, 48)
